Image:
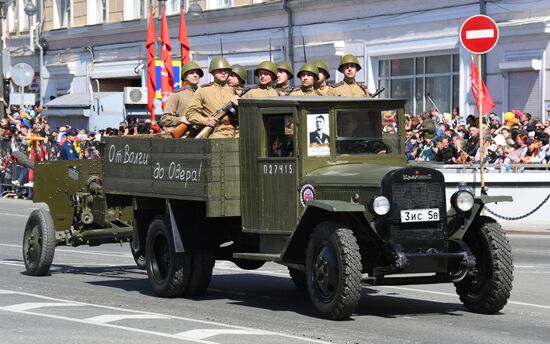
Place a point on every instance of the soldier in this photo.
(212, 97)
(237, 79)
(284, 74)
(349, 66)
(177, 102)
(266, 73)
(309, 75)
(324, 75)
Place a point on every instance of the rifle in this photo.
(227, 110)
(378, 91)
(178, 131)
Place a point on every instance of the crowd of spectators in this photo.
(514, 138)
(26, 130)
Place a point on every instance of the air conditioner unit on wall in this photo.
(135, 95)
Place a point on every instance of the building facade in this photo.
(411, 48)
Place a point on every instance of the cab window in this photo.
(366, 132)
(280, 135)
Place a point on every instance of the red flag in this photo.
(184, 40)
(486, 100)
(151, 73)
(166, 73)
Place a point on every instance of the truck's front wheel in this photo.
(333, 270)
(168, 271)
(488, 288)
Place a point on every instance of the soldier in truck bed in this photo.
(237, 79)
(177, 103)
(284, 74)
(349, 66)
(308, 74)
(324, 75)
(212, 97)
(266, 74)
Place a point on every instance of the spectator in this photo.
(67, 151)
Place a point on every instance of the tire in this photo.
(139, 256)
(248, 264)
(39, 243)
(487, 290)
(333, 270)
(202, 263)
(167, 270)
(298, 277)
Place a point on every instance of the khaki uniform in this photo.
(261, 92)
(238, 90)
(209, 99)
(284, 90)
(327, 90)
(350, 88)
(176, 106)
(305, 91)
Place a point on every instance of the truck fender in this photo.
(317, 211)
(178, 243)
(479, 204)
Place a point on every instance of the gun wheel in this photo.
(39, 243)
(487, 289)
(168, 271)
(333, 270)
(139, 256)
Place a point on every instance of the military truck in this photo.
(318, 184)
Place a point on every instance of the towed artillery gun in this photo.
(318, 184)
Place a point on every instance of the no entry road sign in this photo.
(479, 34)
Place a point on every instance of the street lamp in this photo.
(3, 5)
(30, 8)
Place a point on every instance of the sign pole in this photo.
(480, 110)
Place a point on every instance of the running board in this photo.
(258, 256)
(407, 280)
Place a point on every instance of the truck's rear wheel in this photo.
(202, 263)
(139, 256)
(488, 288)
(333, 270)
(39, 243)
(298, 277)
(168, 271)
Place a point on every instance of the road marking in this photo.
(477, 34)
(18, 215)
(206, 333)
(454, 295)
(107, 318)
(118, 309)
(23, 307)
(84, 252)
(5, 292)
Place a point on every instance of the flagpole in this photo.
(480, 110)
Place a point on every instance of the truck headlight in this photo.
(380, 205)
(462, 201)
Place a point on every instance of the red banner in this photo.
(150, 45)
(486, 100)
(166, 73)
(184, 39)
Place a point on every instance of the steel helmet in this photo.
(240, 71)
(283, 65)
(349, 59)
(267, 65)
(309, 67)
(191, 66)
(321, 65)
(218, 63)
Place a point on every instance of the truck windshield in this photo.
(367, 132)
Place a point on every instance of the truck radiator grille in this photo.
(419, 195)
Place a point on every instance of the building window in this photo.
(23, 18)
(134, 9)
(61, 14)
(12, 19)
(215, 4)
(97, 12)
(173, 6)
(421, 80)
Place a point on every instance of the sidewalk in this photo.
(526, 228)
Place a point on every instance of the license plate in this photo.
(420, 215)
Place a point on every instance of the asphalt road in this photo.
(97, 295)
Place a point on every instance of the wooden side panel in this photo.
(199, 170)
